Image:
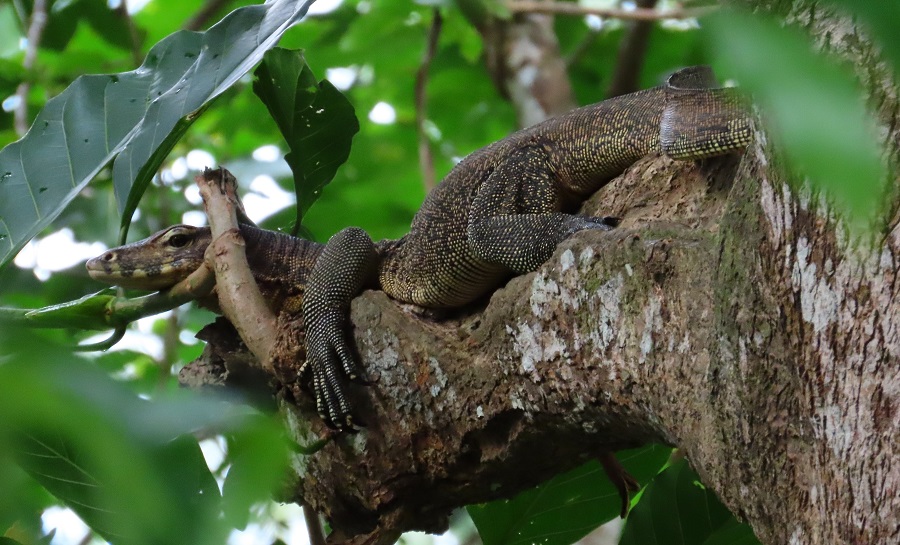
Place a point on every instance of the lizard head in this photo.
(155, 263)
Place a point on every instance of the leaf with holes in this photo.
(134, 117)
(316, 120)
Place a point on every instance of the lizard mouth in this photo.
(106, 269)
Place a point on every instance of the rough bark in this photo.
(729, 315)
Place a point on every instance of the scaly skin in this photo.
(502, 210)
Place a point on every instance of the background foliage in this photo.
(125, 424)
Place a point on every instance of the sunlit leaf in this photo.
(119, 461)
(136, 115)
(566, 508)
(813, 109)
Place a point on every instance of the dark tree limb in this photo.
(632, 51)
(206, 14)
(426, 158)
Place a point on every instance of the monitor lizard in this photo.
(500, 211)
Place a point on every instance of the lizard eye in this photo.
(179, 241)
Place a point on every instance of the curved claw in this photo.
(345, 355)
(326, 365)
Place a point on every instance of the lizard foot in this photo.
(330, 363)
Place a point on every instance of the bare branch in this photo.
(239, 296)
(638, 14)
(35, 30)
(426, 159)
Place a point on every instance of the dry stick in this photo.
(638, 14)
(35, 30)
(239, 296)
(237, 289)
(426, 159)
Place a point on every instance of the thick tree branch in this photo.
(723, 318)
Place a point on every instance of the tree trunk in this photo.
(729, 315)
(522, 57)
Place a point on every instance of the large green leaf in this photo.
(128, 466)
(881, 19)
(316, 120)
(566, 508)
(136, 115)
(813, 109)
(675, 509)
(258, 468)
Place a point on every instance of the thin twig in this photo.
(207, 12)
(35, 30)
(582, 48)
(637, 14)
(137, 56)
(426, 159)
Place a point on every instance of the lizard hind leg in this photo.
(515, 218)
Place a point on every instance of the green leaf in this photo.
(676, 510)
(64, 17)
(566, 508)
(10, 34)
(132, 115)
(881, 19)
(812, 108)
(119, 461)
(316, 120)
(252, 479)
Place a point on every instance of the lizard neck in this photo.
(628, 124)
(280, 264)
